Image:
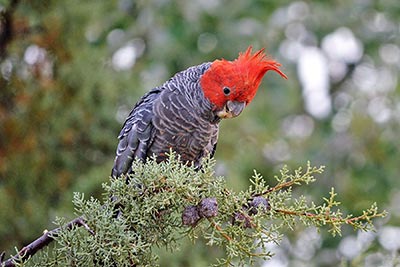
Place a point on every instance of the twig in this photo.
(277, 187)
(47, 237)
(331, 218)
(219, 229)
(230, 239)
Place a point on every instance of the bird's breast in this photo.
(180, 127)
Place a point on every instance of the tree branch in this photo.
(47, 237)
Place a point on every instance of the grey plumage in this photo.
(173, 116)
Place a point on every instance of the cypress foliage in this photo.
(161, 204)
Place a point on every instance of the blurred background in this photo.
(70, 71)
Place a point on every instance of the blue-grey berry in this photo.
(208, 207)
(240, 218)
(258, 204)
(190, 216)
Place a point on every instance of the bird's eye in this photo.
(226, 90)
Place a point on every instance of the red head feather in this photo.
(242, 76)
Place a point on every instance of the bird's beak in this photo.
(231, 109)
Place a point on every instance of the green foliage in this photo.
(151, 206)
